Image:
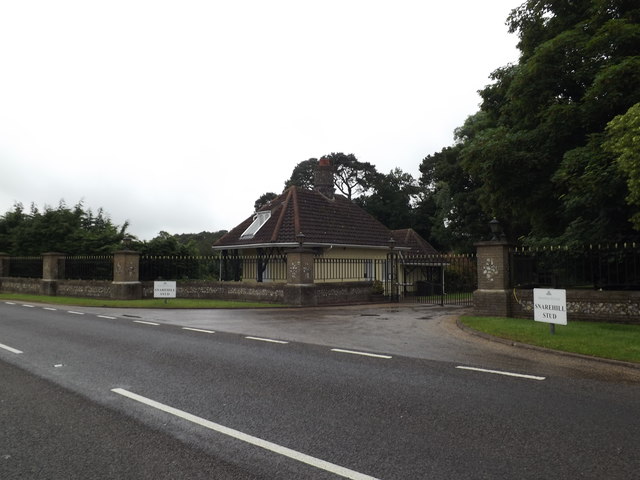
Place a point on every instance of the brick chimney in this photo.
(323, 178)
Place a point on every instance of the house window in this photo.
(258, 221)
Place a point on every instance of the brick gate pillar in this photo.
(52, 271)
(126, 276)
(492, 298)
(300, 289)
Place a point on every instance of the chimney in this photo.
(323, 177)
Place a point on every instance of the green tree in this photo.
(302, 174)
(534, 155)
(393, 199)
(623, 134)
(72, 231)
(352, 177)
(263, 200)
(449, 202)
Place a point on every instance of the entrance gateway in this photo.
(432, 279)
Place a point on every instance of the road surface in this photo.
(375, 392)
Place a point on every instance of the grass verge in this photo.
(149, 303)
(606, 340)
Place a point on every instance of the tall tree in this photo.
(263, 200)
(352, 177)
(534, 152)
(393, 199)
(73, 231)
(624, 141)
(302, 174)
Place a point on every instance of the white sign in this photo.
(550, 305)
(164, 289)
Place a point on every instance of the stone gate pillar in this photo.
(52, 271)
(126, 276)
(300, 289)
(492, 298)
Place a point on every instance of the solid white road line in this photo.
(197, 330)
(376, 355)
(107, 317)
(146, 323)
(10, 349)
(270, 340)
(498, 372)
(258, 442)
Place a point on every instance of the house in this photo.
(348, 243)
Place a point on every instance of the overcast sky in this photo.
(178, 115)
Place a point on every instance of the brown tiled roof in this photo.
(322, 220)
(417, 245)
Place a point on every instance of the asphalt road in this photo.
(96, 393)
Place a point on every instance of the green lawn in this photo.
(606, 340)
(150, 303)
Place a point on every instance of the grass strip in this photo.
(605, 340)
(184, 303)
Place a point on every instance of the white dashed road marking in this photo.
(197, 330)
(270, 340)
(352, 352)
(10, 349)
(146, 323)
(498, 372)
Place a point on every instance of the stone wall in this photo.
(586, 305)
(249, 292)
(27, 286)
(84, 288)
(344, 293)
(63, 288)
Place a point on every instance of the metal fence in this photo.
(349, 269)
(87, 267)
(433, 279)
(606, 267)
(448, 279)
(25, 267)
(265, 268)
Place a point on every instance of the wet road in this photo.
(288, 393)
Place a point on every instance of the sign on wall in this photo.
(550, 305)
(164, 289)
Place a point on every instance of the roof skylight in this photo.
(259, 220)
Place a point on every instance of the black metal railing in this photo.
(87, 267)
(606, 267)
(261, 268)
(349, 269)
(439, 279)
(25, 267)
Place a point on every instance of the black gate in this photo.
(432, 279)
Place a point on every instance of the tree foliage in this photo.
(392, 200)
(74, 231)
(263, 200)
(624, 141)
(534, 155)
(302, 175)
(352, 178)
